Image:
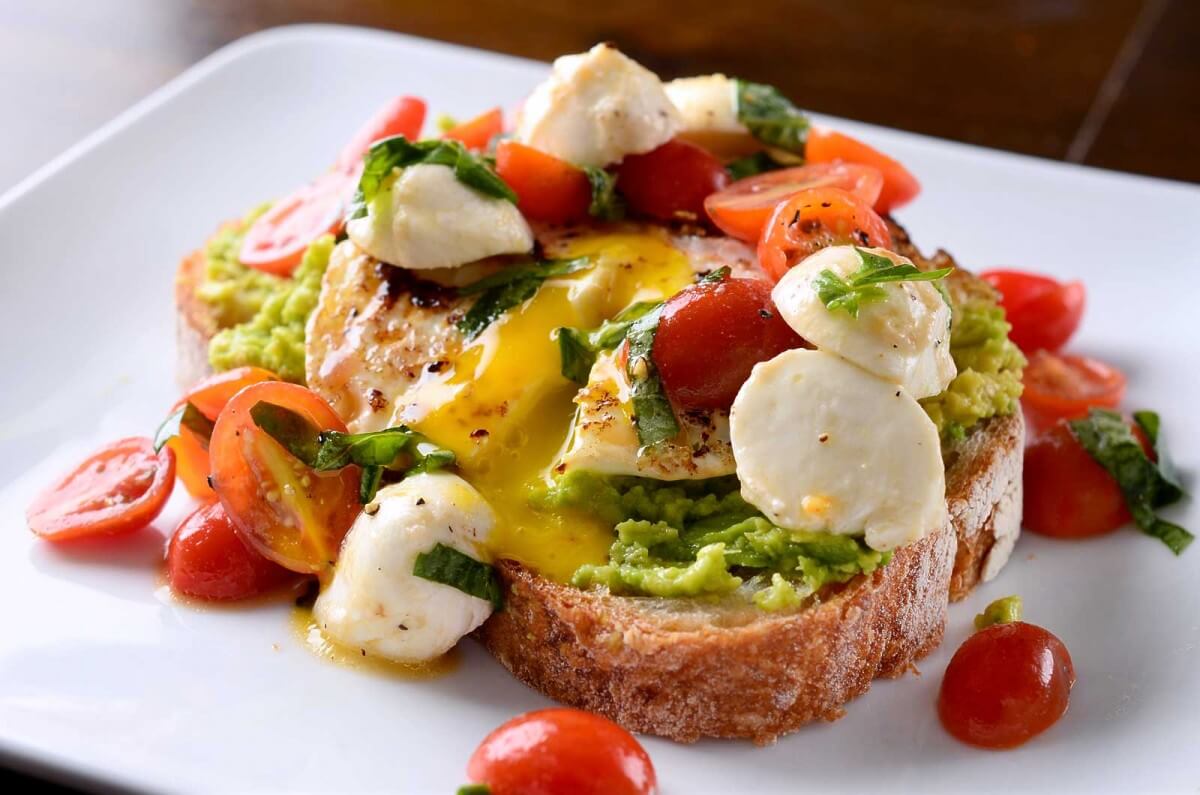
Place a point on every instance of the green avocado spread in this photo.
(700, 538)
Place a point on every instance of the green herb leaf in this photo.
(861, 287)
(606, 204)
(450, 567)
(1149, 422)
(1002, 611)
(652, 412)
(771, 117)
(712, 277)
(389, 154)
(578, 348)
(509, 288)
(752, 165)
(474, 789)
(186, 416)
(1109, 440)
(297, 435)
(368, 483)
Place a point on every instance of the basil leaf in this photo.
(712, 277)
(389, 154)
(450, 567)
(1109, 440)
(186, 416)
(771, 117)
(377, 448)
(509, 288)
(474, 789)
(653, 415)
(297, 435)
(578, 349)
(368, 483)
(1149, 422)
(751, 165)
(861, 286)
(606, 204)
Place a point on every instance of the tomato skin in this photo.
(711, 335)
(813, 219)
(120, 488)
(288, 513)
(899, 185)
(562, 751)
(207, 560)
(1067, 387)
(478, 132)
(277, 240)
(548, 189)
(743, 208)
(671, 182)
(400, 116)
(1005, 685)
(1044, 313)
(1068, 494)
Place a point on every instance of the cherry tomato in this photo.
(479, 131)
(1044, 313)
(118, 489)
(400, 116)
(1066, 387)
(290, 514)
(207, 560)
(562, 752)
(711, 335)
(548, 189)
(743, 209)
(1068, 494)
(277, 239)
(671, 182)
(813, 219)
(899, 185)
(1005, 685)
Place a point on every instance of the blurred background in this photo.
(1109, 83)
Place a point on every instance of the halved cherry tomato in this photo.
(711, 335)
(479, 131)
(1044, 313)
(813, 219)
(400, 116)
(290, 514)
(277, 239)
(899, 185)
(207, 560)
(548, 189)
(743, 209)
(562, 752)
(118, 489)
(1061, 386)
(671, 182)
(1005, 685)
(209, 397)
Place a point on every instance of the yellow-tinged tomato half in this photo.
(291, 514)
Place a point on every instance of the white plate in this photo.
(102, 676)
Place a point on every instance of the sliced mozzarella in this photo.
(823, 445)
(706, 104)
(429, 219)
(904, 338)
(596, 108)
(375, 602)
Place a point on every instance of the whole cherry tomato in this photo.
(816, 218)
(1044, 313)
(671, 182)
(207, 560)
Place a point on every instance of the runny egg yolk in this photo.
(505, 408)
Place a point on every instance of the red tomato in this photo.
(899, 185)
(671, 182)
(1066, 387)
(562, 752)
(1005, 685)
(290, 514)
(1068, 494)
(548, 189)
(711, 335)
(207, 560)
(401, 116)
(813, 219)
(118, 489)
(479, 131)
(1044, 313)
(743, 209)
(277, 239)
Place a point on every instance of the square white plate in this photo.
(102, 676)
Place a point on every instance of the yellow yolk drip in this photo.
(505, 409)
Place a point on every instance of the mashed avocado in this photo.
(700, 538)
(989, 370)
(234, 292)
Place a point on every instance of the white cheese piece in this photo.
(429, 219)
(596, 108)
(375, 602)
(706, 104)
(904, 338)
(825, 446)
